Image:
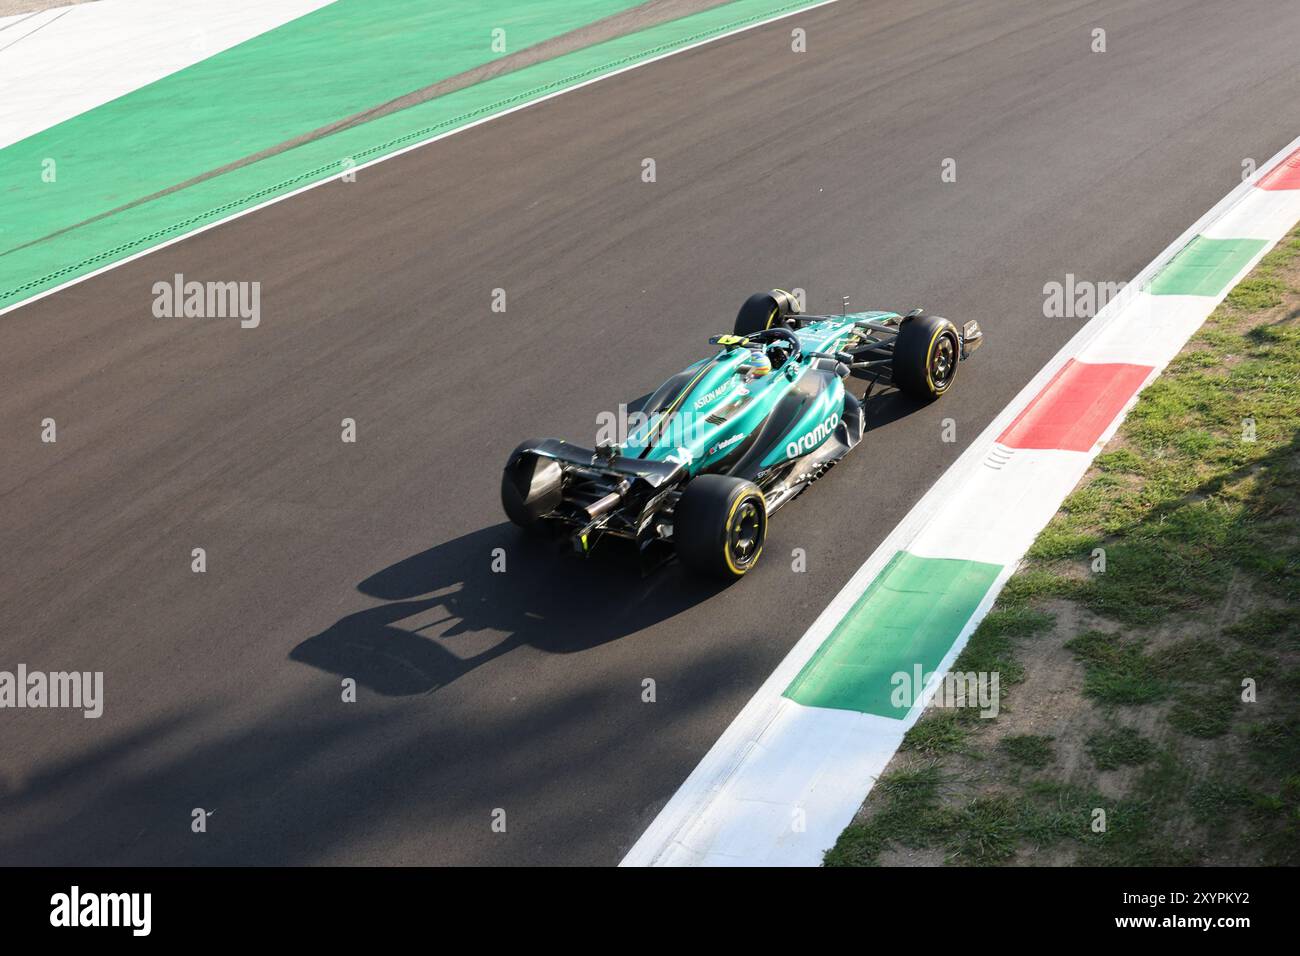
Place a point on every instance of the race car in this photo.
(722, 445)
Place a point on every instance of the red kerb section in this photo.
(1075, 407)
(1285, 175)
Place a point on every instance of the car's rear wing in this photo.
(607, 460)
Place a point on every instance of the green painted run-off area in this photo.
(149, 166)
(912, 613)
(1206, 266)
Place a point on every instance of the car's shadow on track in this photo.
(885, 404)
(448, 611)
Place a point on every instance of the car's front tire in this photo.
(925, 356)
(719, 526)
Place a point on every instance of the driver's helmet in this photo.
(758, 364)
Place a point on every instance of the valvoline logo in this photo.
(814, 438)
(724, 444)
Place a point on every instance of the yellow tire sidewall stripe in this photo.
(726, 534)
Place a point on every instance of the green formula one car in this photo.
(723, 444)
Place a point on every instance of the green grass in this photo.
(1196, 506)
(1202, 715)
(910, 815)
(1120, 747)
(1117, 670)
(987, 830)
(944, 732)
(1268, 627)
(990, 648)
(1213, 801)
(1264, 288)
(1031, 750)
(1137, 825)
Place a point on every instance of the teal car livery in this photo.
(724, 443)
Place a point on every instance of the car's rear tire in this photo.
(925, 356)
(719, 526)
(765, 310)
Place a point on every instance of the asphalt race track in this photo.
(523, 691)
